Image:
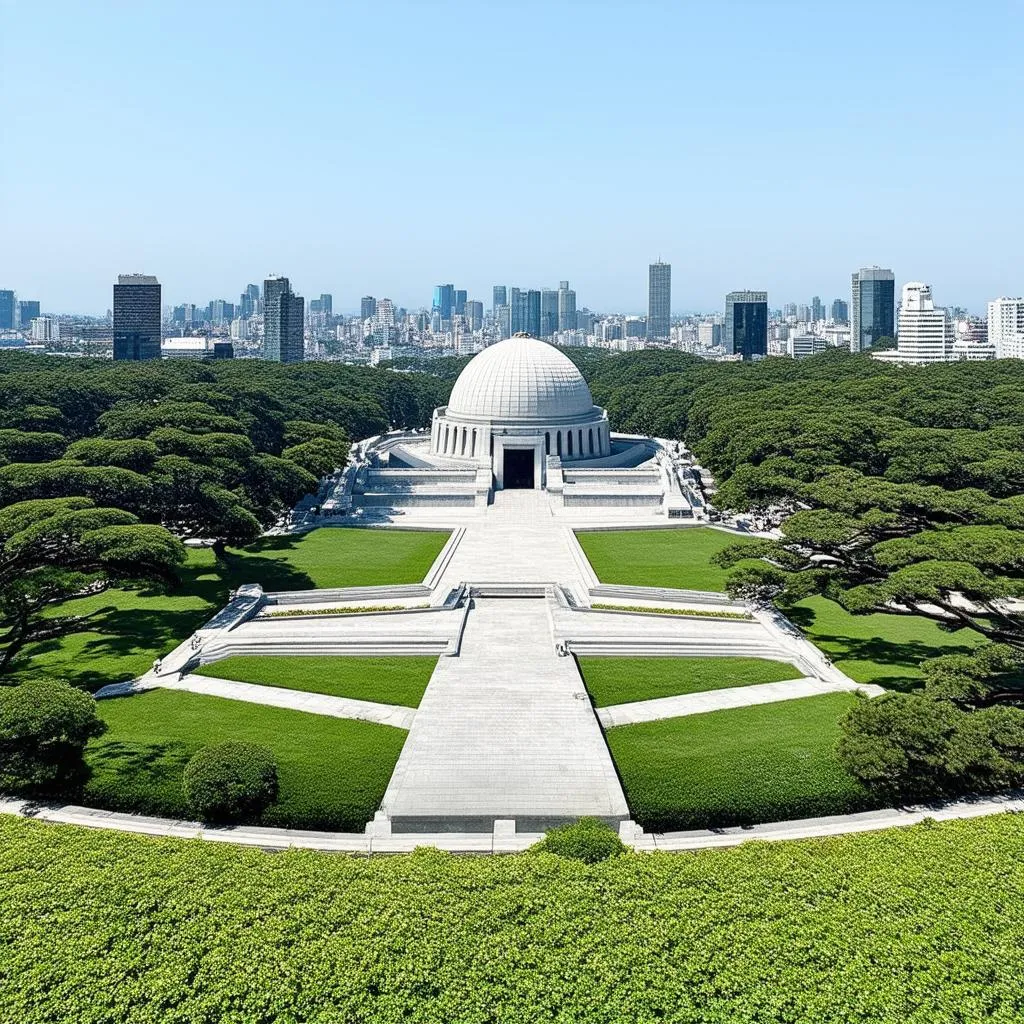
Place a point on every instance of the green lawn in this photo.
(878, 648)
(658, 558)
(399, 680)
(620, 680)
(332, 771)
(131, 629)
(766, 762)
(339, 557)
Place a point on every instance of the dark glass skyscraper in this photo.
(459, 302)
(659, 299)
(840, 312)
(28, 310)
(548, 313)
(533, 313)
(746, 324)
(7, 310)
(873, 307)
(367, 307)
(136, 317)
(284, 315)
(500, 296)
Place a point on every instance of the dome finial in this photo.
(522, 334)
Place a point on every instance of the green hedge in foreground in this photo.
(922, 925)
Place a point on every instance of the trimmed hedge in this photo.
(230, 781)
(44, 727)
(921, 925)
(589, 840)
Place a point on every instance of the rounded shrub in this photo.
(230, 781)
(589, 840)
(44, 727)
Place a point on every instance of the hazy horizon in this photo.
(384, 149)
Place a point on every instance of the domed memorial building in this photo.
(520, 416)
(516, 403)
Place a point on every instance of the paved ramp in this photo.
(505, 730)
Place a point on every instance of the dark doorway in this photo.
(517, 471)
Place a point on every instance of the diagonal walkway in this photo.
(504, 730)
(728, 697)
(274, 696)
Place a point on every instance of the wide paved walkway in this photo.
(505, 730)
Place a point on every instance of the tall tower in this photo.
(284, 315)
(566, 307)
(444, 300)
(8, 310)
(136, 317)
(659, 299)
(746, 324)
(548, 312)
(873, 307)
(499, 296)
(925, 332)
(533, 313)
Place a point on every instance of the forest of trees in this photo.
(105, 468)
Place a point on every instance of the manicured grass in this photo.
(400, 680)
(678, 558)
(332, 771)
(620, 680)
(767, 762)
(920, 925)
(878, 648)
(131, 629)
(339, 557)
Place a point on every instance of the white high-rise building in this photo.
(1006, 327)
(924, 334)
(45, 329)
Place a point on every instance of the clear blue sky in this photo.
(380, 148)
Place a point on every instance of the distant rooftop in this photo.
(136, 279)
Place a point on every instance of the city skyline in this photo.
(357, 225)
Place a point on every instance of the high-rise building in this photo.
(367, 307)
(8, 310)
(709, 334)
(533, 313)
(444, 300)
(326, 304)
(284, 315)
(45, 329)
(500, 297)
(924, 334)
(585, 320)
(136, 317)
(28, 310)
(517, 315)
(383, 324)
(459, 302)
(1006, 327)
(221, 312)
(548, 312)
(746, 324)
(566, 307)
(840, 311)
(817, 309)
(873, 307)
(475, 314)
(659, 299)
(803, 314)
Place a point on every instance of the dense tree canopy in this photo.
(103, 465)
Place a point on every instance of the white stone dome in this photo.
(520, 378)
